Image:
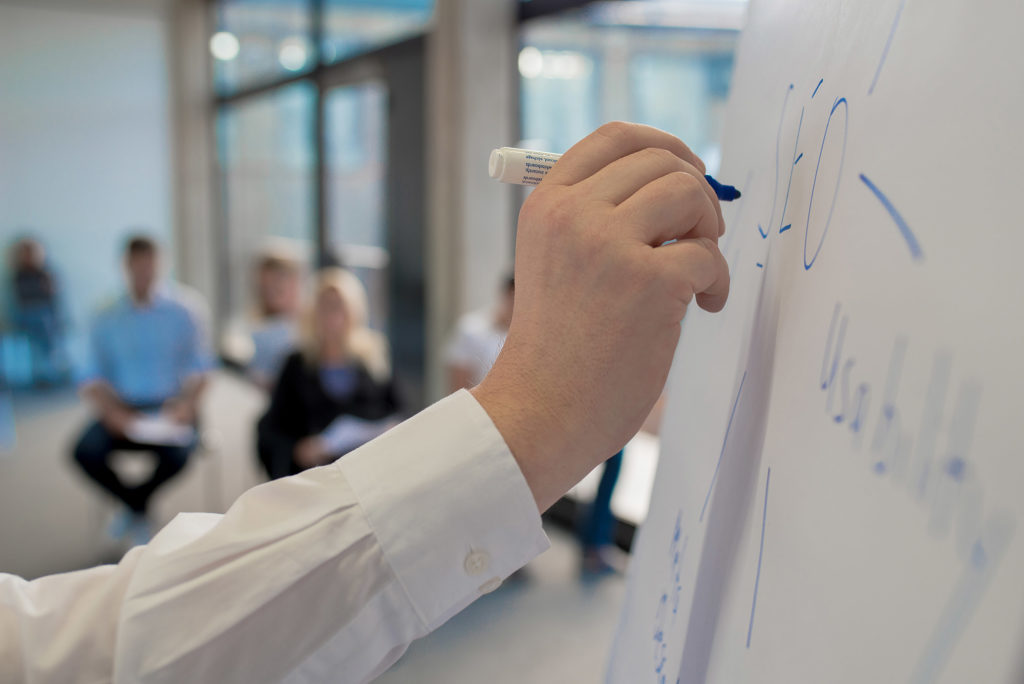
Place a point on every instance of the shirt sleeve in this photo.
(325, 574)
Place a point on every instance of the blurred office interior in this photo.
(357, 132)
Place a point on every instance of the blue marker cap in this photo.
(726, 193)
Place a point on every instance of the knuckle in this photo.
(680, 288)
(687, 183)
(662, 157)
(708, 244)
(617, 131)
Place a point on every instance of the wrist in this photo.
(537, 429)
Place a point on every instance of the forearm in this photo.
(193, 388)
(537, 434)
(104, 399)
(332, 571)
(69, 619)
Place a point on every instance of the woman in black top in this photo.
(336, 391)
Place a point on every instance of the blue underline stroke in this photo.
(888, 42)
(901, 223)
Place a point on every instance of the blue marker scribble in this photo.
(778, 142)
(760, 555)
(670, 595)
(888, 42)
(792, 167)
(986, 553)
(839, 175)
(955, 468)
(759, 264)
(908, 235)
(816, 88)
(725, 440)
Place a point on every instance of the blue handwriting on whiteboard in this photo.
(943, 481)
(766, 229)
(885, 50)
(840, 101)
(908, 235)
(778, 142)
(668, 604)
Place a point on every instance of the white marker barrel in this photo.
(522, 167)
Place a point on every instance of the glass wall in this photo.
(303, 143)
(267, 162)
(355, 158)
(355, 26)
(257, 41)
(663, 64)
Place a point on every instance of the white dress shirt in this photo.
(326, 576)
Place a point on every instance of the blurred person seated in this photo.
(35, 311)
(596, 529)
(261, 341)
(149, 359)
(478, 339)
(336, 392)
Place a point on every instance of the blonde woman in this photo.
(335, 392)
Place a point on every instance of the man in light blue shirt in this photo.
(147, 372)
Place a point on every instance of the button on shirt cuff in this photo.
(454, 516)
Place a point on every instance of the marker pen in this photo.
(528, 167)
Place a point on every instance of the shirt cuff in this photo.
(448, 504)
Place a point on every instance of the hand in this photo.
(599, 301)
(311, 451)
(117, 420)
(180, 411)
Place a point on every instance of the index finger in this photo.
(611, 142)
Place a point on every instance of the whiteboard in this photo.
(840, 495)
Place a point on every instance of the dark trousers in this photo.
(93, 451)
(598, 528)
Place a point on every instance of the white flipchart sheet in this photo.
(840, 496)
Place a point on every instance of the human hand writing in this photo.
(600, 298)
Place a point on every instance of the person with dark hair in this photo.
(36, 310)
(478, 339)
(261, 340)
(145, 378)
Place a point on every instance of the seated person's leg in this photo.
(92, 454)
(170, 461)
